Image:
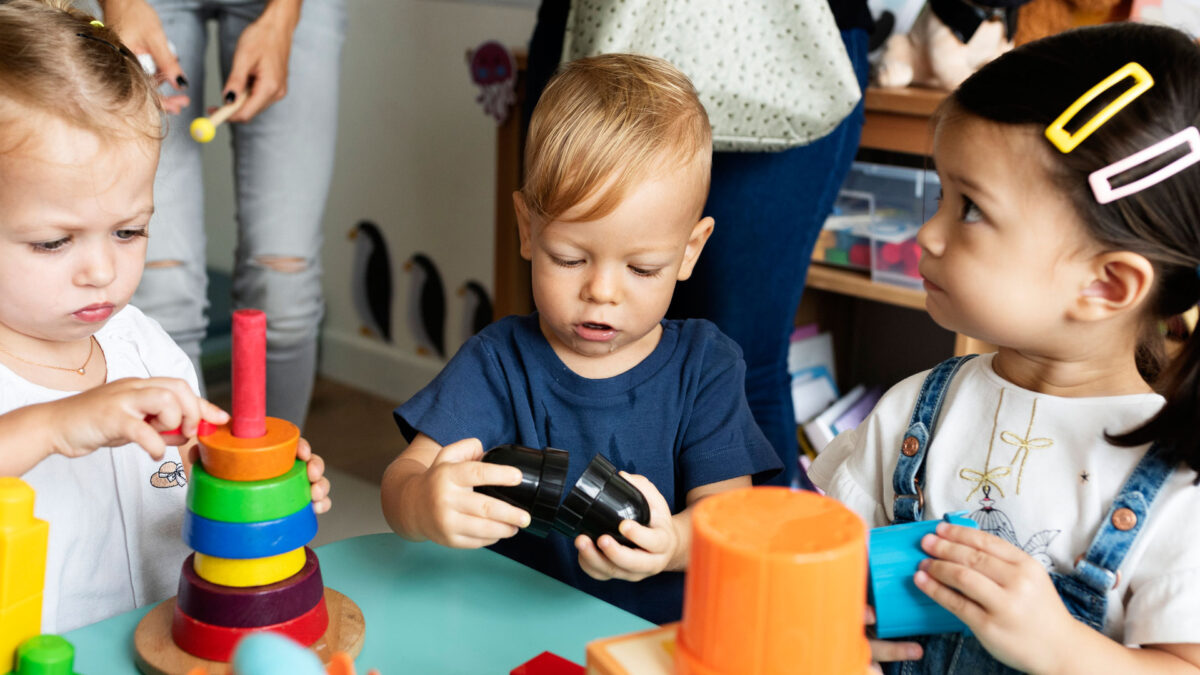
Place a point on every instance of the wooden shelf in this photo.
(859, 285)
(898, 119)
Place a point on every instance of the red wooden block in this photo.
(548, 663)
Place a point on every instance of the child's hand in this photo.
(1003, 594)
(883, 651)
(660, 542)
(316, 476)
(442, 505)
(131, 410)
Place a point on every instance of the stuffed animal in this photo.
(949, 40)
(1042, 18)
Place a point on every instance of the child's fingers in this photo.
(654, 499)
(630, 559)
(140, 432)
(884, 651)
(473, 532)
(316, 468)
(472, 474)
(466, 450)
(655, 539)
(320, 493)
(491, 509)
(982, 541)
(212, 412)
(930, 579)
(592, 561)
(969, 557)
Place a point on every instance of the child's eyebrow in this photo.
(967, 183)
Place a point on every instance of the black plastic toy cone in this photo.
(543, 477)
(598, 503)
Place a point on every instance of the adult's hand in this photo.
(260, 61)
(140, 29)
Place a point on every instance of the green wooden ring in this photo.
(235, 501)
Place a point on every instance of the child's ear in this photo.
(1119, 281)
(522, 224)
(700, 234)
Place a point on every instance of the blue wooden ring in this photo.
(250, 540)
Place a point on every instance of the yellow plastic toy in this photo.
(248, 571)
(204, 129)
(1066, 141)
(22, 568)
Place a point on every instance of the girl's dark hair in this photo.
(1033, 85)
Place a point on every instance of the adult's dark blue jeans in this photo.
(769, 208)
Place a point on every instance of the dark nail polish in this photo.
(230, 96)
(181, 81)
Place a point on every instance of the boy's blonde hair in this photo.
(605, 122)
(55, 61)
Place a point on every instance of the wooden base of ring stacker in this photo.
(157, 653)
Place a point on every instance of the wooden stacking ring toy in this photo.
(254, 606)
(227, 456)
(216, 643)
(775, 585)
(233, 501)
(245, 572)
(249, 540)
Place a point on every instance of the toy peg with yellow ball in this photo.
(204, 129)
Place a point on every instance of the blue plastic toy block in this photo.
(902, 609)
(249, 540)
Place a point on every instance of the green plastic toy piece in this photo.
(45, 655)
(233, 501)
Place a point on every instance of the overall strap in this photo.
(1099, 567)
(909, 502)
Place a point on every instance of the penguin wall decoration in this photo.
(426, 305)
(476, 308)
(371, 280)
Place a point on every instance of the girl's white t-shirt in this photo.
(1037, 471)
(115, 514)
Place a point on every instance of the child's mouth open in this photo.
(595, 332)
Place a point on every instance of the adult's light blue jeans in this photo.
(283, 164)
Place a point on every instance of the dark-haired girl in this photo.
(1068, 230)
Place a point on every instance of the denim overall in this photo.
(1084, 591)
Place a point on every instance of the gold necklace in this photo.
(81, 370)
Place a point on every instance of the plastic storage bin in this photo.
(875, 221)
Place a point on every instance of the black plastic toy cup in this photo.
(543, 477)
(598, 503)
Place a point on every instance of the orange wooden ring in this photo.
(216, 643)
(272, 454)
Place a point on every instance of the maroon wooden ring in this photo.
(252, 605)
(216, 643)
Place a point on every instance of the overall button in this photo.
(910, 446)
(1124, 519)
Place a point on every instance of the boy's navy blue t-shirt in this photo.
(679, 418)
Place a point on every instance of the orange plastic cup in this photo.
(776, 583)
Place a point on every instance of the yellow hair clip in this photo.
(97, 23)
(1057, 134)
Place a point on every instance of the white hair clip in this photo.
(1101, 179)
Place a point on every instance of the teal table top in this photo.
(427, 609)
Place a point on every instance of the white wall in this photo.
(416, 155)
